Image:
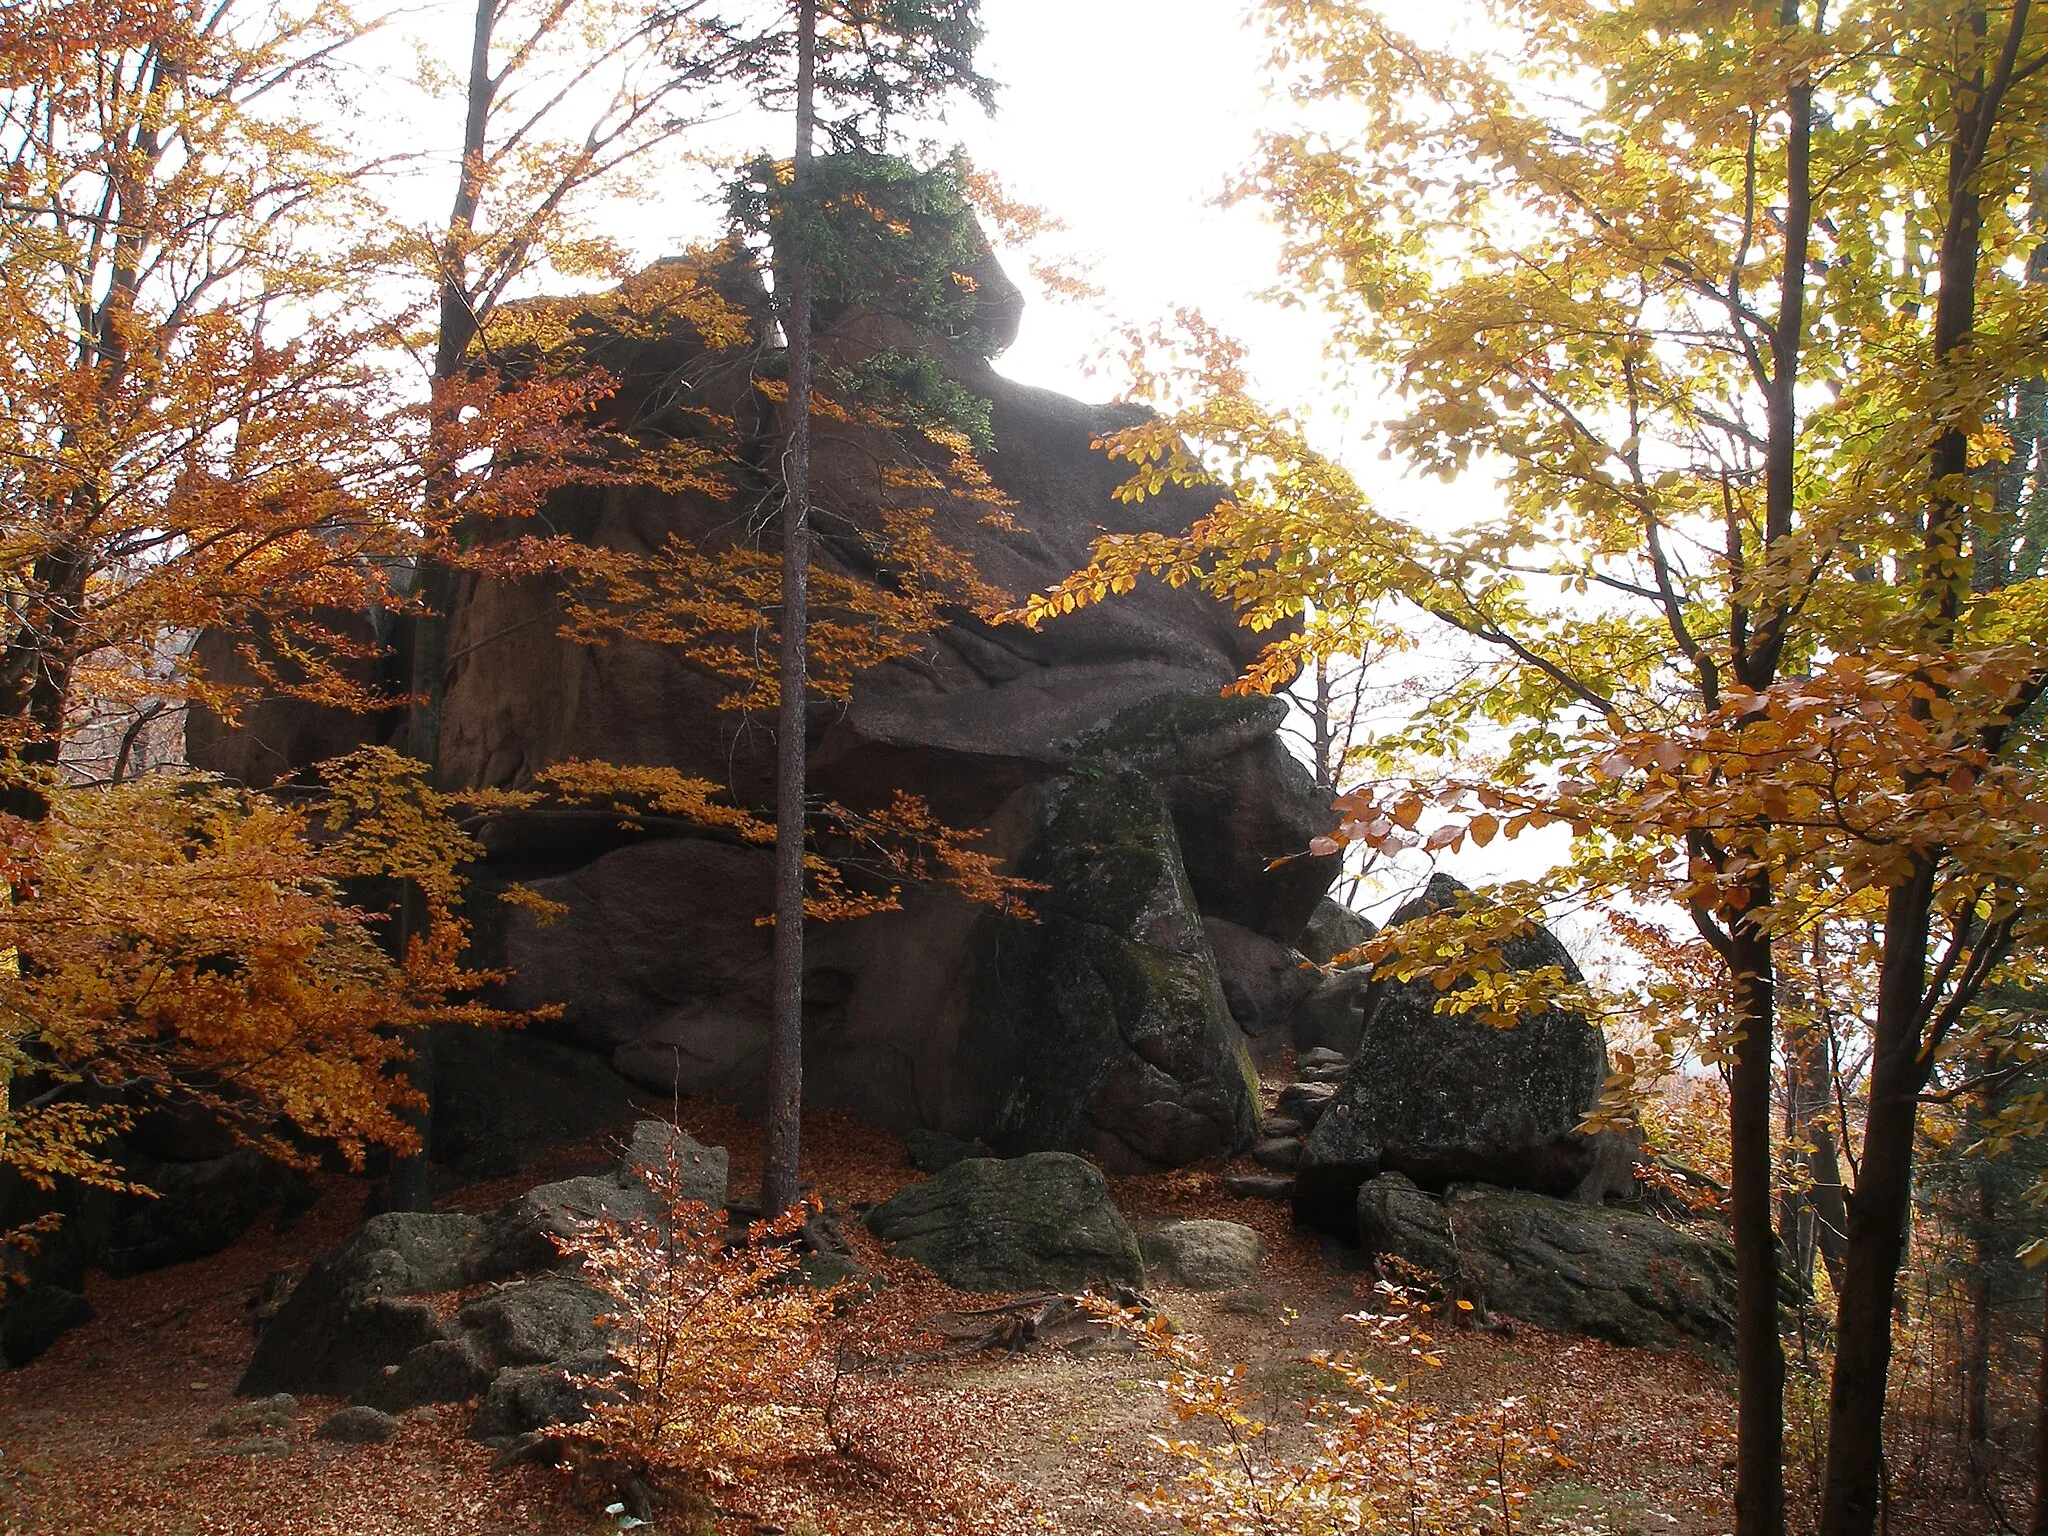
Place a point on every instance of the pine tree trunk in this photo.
(779, 1171)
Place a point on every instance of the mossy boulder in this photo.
(1101, 1027)
(1204, 1255)
(1607, 1272)
(1042, 1222)
(1447, 1098)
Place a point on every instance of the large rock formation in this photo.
(1116, 1040)
(1101, 1028)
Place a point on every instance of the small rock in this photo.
(1326, 1074)
(278, 1411)
(1321, 1056)
(444, 1371)
(535, 1320)
(655, 1142)
(820, 1271)
(1282, 1154)
(1205, 1255)
(36, 1318)
(935, 1151)
(1042, 1222)
(1259, 1186)
(533, 1397)
(1306, 1102)
(358, 1426)
(1281, 1125)
(1248, 1302)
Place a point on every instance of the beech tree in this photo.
(197, 436)
(187, 418)
(565, 103)
(175, 939)
(1726, 296)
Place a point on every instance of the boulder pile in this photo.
(359, 1324)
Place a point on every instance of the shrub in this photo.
(1370, 1456)
(719, 1357)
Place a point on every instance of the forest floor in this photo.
(107, 1434)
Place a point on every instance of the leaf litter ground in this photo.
(108, 1433)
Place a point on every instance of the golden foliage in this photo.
(861, 859)
(1377, 1457)
(175, 937)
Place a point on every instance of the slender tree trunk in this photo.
(1900, 1058)
(1977, 1341)
(1812, 1221)
(435, 580)
(779, 1170)
(1877, 1218)
(1984, 1255)
(1755, 656)
(407, 1186)
(1759, 1355)
(2038, 1526)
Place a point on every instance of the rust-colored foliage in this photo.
(716, 1347)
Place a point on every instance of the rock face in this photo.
(503, 1096)
(36, 1318)
(1042, 1222)
(1445, 1098)
(1332, 1015)
(659, 965)
(205, 1191)
(1101, 1028)
(1614, 1274)
(1333, 929)
(1264, 982)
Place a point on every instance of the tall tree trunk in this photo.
(1755, 657)
(406, 1187)
(2038, 1526)
(782, 1132)
(1900, 1058)
(1759, 1355)
(1878, 1217)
